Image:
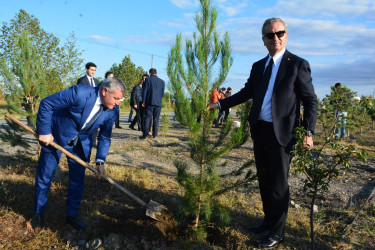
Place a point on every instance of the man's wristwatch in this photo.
(309, 133)
(99, 163)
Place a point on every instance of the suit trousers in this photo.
(138, 119)
(47, 164)
(272, 164)
(154, 112)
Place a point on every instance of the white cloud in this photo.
(355, 74)
(185, 3)
(101, 38)
(306, 36)
(232, 7)
(171, 24)
(153, 38)
(323, 8)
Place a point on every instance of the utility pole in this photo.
(152, 60)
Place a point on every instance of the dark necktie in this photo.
(259, 96)
(92, 82)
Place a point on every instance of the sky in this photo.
(337, 37)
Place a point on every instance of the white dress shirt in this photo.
(266, 110)
(93, 82)
(94, 110)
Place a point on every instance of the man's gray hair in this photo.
(272, 20)
(112, 84)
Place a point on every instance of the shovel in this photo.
(153, 209)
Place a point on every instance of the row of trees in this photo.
(33, 63)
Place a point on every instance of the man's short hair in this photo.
(112, 84)
(272, 20)
(90, 64)
(152, 71)
(145, 75)
(107, 74)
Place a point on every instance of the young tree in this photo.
(192, 84)
(319, 167)
(24, 84)
(369, 104)
(128, 72)
(341, 103)
(62, 63)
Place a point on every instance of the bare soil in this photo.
(145, 167)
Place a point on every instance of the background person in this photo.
(152, 99)
(136, 102)
(89, 80)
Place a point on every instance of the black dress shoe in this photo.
(118, 127)
(37, 221)
(131, 127)
(75, 222)
(271, 240)
(142, 137)
(262, 227)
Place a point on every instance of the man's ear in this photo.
(104, 91)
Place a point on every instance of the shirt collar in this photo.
(277, 57)
(98, 100)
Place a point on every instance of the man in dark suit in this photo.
(136, 103)
(89, 79)
(68, 118)
(277, 92)
(152, 95)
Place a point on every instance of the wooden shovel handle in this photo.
(77, 159)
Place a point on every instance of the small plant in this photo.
(319, 168)
(165, 123)
(370, 109)
(4, 191)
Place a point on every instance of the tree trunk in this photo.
(199, 201)
(312, 217)
(196, 224)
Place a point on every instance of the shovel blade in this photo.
(156, 210)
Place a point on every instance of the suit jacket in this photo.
(64, 113)
(153, 91)
(85, 81)
(293, 85)
(136, 95)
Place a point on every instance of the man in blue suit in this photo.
(89, 79)
(152, 95)
(68, 118)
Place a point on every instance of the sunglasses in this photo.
(272, 35)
